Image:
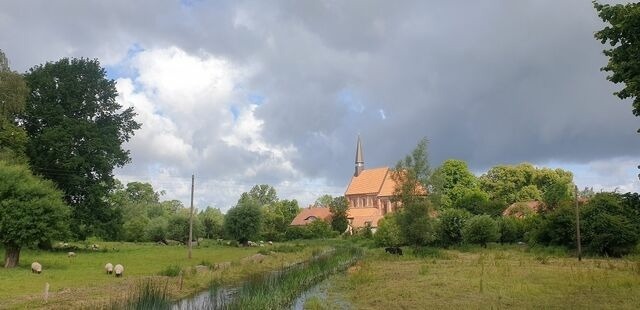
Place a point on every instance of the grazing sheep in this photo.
(270, 242)
(71, 254)
(109, 268)
(36, 267)
(119, 270)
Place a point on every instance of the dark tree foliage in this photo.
(244, 221)
(511, 229)
(31, 211)
(610, 228)
(558, 227)
(623, 35)
(76, 130)
(412, 179)
(450, 224)
(480, 229)
(339, 207)
(13, 94)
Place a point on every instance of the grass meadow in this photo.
(81, 281)
(499, 277)
(460, 278)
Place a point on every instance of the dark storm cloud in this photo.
(489, 82)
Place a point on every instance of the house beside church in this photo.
(310, 214)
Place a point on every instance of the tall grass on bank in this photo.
(149, 294)
(278, 289)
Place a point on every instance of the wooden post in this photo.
(46, 292)
(191, 217)
(578, 226)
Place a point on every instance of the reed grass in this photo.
(278, 289)
(149, 294)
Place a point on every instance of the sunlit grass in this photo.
(81, 281)
(508, 277)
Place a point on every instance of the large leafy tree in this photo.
(263, 194)
(212, 221)
(338, 208)
(412, 181)
(13, 94)
(515, 183)
(31, 211)
(76, 130)
(450, 182)
(623, 35)
(244, 221)
(277, 217)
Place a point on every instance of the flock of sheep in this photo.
(118, 269)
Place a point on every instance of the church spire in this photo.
(359, 158)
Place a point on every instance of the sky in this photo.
(241, 93)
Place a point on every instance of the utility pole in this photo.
(578, 226)
(191, 217)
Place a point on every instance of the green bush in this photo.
(557, 227)
(610, 228)
(480, 229)
(511, 229)
(388, 233)
(171, 271)
(157, 229)
(134, 229)
(320, 229)
(450, 224)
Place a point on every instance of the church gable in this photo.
(368, 182)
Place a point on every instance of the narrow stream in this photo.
(222, 297)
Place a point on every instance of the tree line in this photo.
(59, 122)
(457, 207)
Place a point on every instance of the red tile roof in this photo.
(518, 209)
(372, 181)
(311, 214)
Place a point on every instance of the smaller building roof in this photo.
(522, 209)
(311, 214)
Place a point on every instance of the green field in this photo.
(502, 277)
(81, 281)
(498, 277)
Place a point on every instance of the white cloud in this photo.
(184, 103)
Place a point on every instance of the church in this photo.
(369, 194)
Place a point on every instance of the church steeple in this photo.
(359, 158)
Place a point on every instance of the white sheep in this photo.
(119, 270)
(109, 268)
(36, 267)
(71, 254)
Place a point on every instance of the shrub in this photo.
(171, 271)
(557, 227)
(297, 232)
(451, 222)
(480, 229)
(157, 229)
(608, 226)
(388, 233)
(134, 228)
(510, 229)
(244, 221)
(320, 229)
